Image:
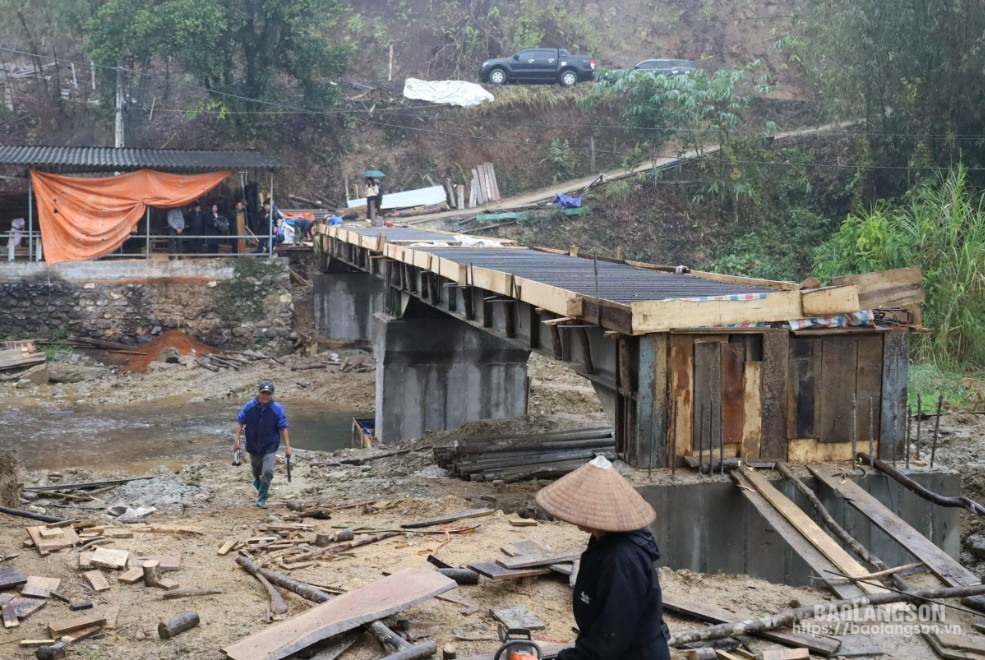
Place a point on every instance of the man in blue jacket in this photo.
(265, 424)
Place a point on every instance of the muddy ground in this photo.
(201, 504)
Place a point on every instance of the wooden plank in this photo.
(947, 653)
(820, 564)
(938, 561)
(226, 546)
(774, 394)
(707, 396)
(45, 546)
(803, 397)
(10, 619)
(888, 288)
(110, 558)
(451, 517)
(517, 616)
(131, 576)
(66, 626)
(839, 362)
(868, 387)
(809, 450)
(535, 560)
(165, 563)
(893, 412)
(975, 644)
(11, 577)
(729, 450)
(662, 315)
(733, 404)
(40, 587)
(375, 601)
(705, 611)
(525, 547)
(24, 606)
(752, 427)
(846, 564)
(97, 580)
(494, 571)
(830, 301)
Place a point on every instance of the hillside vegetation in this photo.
(307, 81)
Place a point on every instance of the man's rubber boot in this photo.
(262, 500)
(256, 485)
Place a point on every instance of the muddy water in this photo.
(58, 436)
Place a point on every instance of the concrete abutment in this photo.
(708, 527)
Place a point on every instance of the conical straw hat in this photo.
(595, 496)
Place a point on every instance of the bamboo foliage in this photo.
(941, 229)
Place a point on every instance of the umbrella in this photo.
(373, 174)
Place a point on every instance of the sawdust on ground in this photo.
(215, 502)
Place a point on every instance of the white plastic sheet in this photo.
(446, 92)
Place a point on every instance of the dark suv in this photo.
(660, 67)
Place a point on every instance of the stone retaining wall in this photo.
(224, 302)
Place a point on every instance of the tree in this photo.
(941, 228)
(238, 47)
(913, 71)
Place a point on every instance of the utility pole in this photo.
(119, 142)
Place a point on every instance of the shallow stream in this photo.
(56, 436)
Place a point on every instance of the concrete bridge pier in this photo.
(437, 373)
(344, 304)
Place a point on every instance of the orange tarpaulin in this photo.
(86, 218)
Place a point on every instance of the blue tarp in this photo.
(566, 202)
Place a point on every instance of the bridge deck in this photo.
(621, 296)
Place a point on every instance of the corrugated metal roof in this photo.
(110, 159)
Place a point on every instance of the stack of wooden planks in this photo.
(514, 458)
(484, 187)
(19, 354)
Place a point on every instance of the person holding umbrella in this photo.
(374, 193)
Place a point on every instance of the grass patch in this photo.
(962, 392)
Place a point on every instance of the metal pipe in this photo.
(147, 247)
(919, 422)
(937, 428)
(30, 217)
(854, 432)
(270, 223)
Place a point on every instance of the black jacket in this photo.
(617, 601)
(195, 223)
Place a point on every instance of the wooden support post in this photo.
(773, 398)
(179, 624)
(510, 310)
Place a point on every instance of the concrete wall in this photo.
(436, 374)
(220, 301)
(344, 305)
(709, 527)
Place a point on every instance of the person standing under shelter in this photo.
(617, 601)
(176, 225)
(195, 229)
(265, 424)
(217, 228)
(16, 234)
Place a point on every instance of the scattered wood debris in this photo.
(511, 458)
(18, 355)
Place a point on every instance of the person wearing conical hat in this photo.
(616, 600)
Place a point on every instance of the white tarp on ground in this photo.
(446, 92)
(408, 198)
